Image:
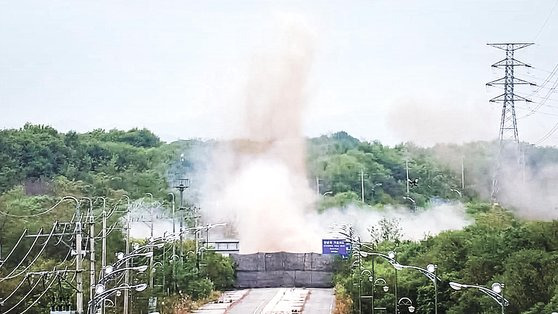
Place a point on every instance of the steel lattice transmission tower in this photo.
(508, 122)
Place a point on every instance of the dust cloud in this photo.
(414, 226)
(528, 191)
(257, 182)
(437, 120)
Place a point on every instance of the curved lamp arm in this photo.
(429, 275)
(494, 295)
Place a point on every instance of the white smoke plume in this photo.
(143, 215)
(526, 190)
(258, 182)
(414, 226)
(530, 191)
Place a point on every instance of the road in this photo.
(254, 302)
(319, 301)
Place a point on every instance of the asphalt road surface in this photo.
(319, 301)
(254, 302)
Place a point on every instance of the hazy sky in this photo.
(391, 70)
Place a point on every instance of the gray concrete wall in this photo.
(281, 269)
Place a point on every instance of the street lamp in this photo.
(121, 257)
(356, 249)
(381, 282)
(430, 273)
(101, 293)
(111, 272)
(406, 302)
(390, 257)
(153, 272)
(496, 292)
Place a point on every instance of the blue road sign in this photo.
(335, 246)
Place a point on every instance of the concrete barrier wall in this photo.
(281, 269)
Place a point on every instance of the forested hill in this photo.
(338, 159)
(35, 156)
(137, 161)
(341, 162)
(38, 165)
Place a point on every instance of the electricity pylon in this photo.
(508, 123)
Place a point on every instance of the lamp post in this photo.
(406, 302)
(111, 272)
(381, 282)
(122, 258)
(390, 257)
(101, 293)
(496, 292)
(162, 266)
(430, 273)
(357, 246)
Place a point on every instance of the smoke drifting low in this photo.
(529, 191)
(415, 226)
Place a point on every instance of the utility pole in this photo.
(362, 184)
(407, 172)
(104, 246)
(462, 174)
(151, 270)
(173, 243)
(79, 256)
(196, 236)
(91, 221)
(127, 265)
(508, 133)
(91, 256)
(151, 248)
(317, 187)
(183, 184)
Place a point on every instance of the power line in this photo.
(11, 275)
(548, 134)
(24, 297)
(546, 20)
(41, 295)
(2, 261)
(545, 98)
(546, 80)
(23, 259)
(38, 214)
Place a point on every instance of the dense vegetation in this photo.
(39, 165)
(498, 247)
(339, 161)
